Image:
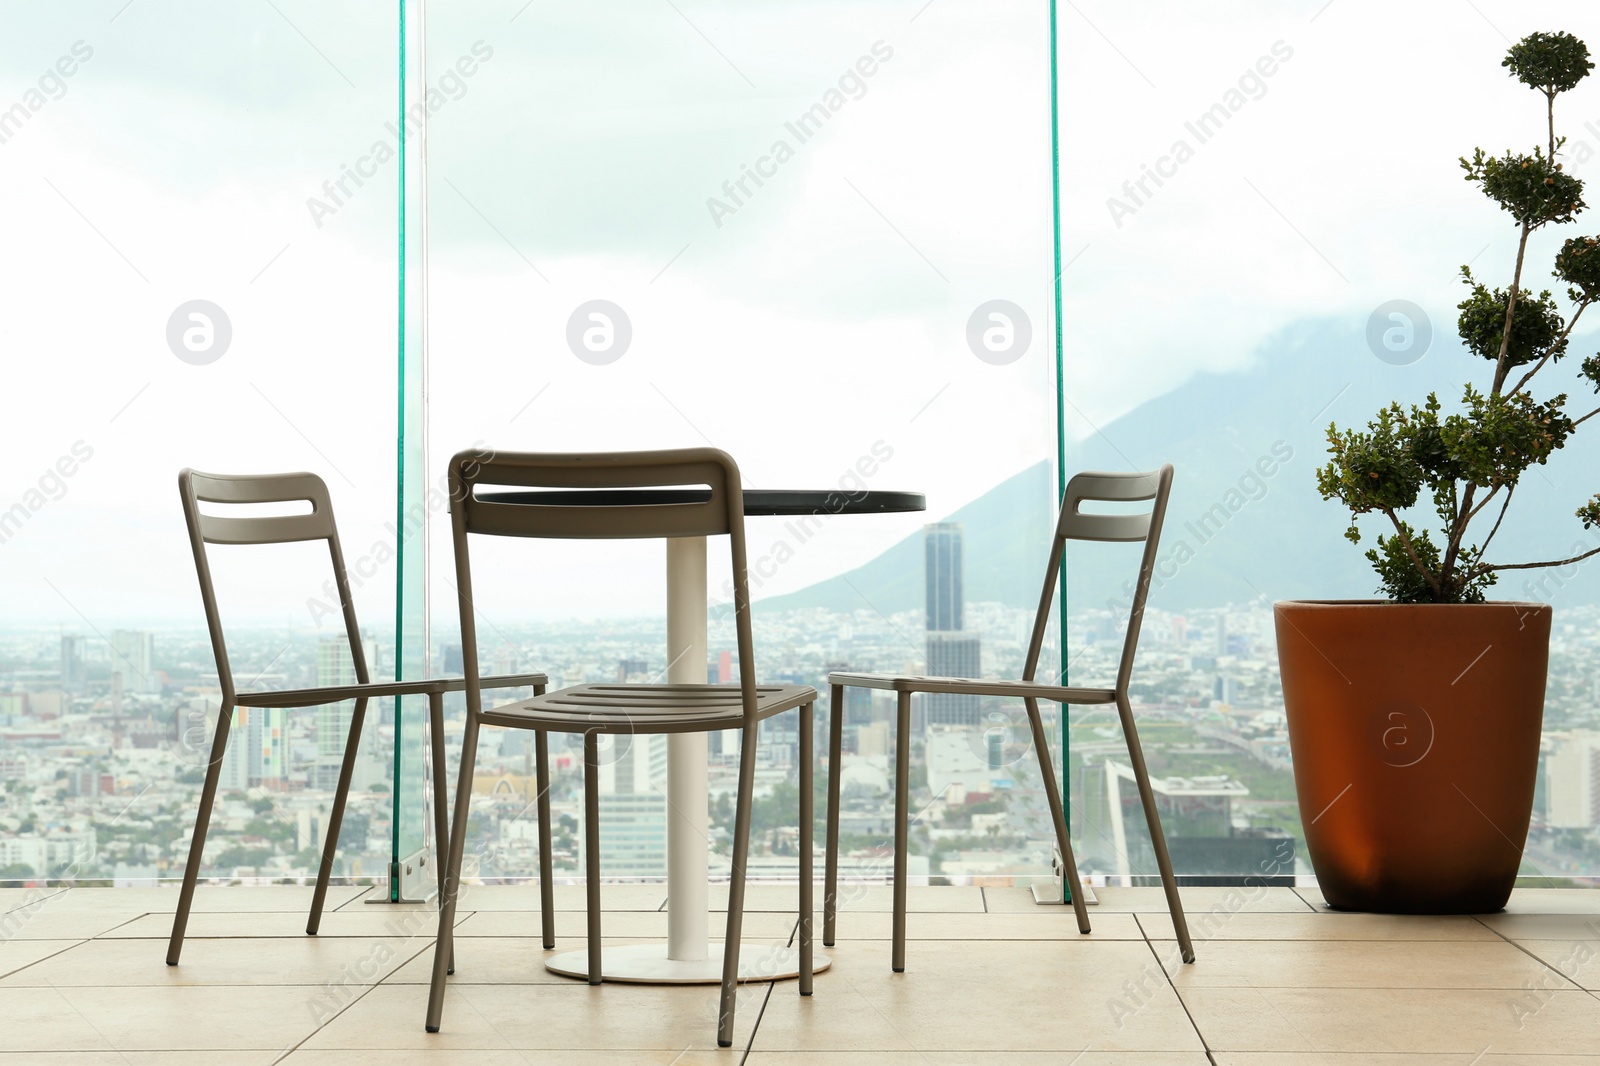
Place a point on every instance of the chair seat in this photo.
(316, 697)
(645, 708)
(967, 686)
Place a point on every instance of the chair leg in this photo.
(591, 837)
(450, 884)
(1058, 816)
(197, 843)
(902, 801)
(441, 800)
(547, 890)
(1158, 839)
(330, 836)
(741, 858)
(807, 815)
(830, 874)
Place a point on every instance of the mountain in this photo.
(1246, 521)
(1005, 538)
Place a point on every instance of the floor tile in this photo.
(12, 898)
(141, 1058)
(1203, 899)
(47, 924)
(1577, 960)
(234, 961)
(965, 1058)
(477, 1057)
(1244, 925)
(16, 954)
(155, 1018)
(1371, 1021)
(543, 1017)
(1367, 1058)
(1569, 927)
(1358, 964)
(651, 897)
(855, 896)
(625, 924)
(1554, 901)
(227, 898)
(976, 998)
(368, 922)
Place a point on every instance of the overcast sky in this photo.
(827, 312)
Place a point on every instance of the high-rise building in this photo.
(1572, 782)
(951, 652)
(74, 675)
(941, 542)
(133, 656)
(258, 749)
(335, 667)
(633, 807)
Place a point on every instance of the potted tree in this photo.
(1415, 720)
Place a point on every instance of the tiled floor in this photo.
(990, 978)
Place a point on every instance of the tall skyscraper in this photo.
(74, 675)
(951, 652)
(258, 749)
(333, 719)
(942, 554)
(133, 656)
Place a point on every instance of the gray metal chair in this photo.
(625, 509)
(1073, 524)
(204, 529)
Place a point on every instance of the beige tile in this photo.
(977, 998)
(237, 961)
(1554, 901)
(650, 897)
(12, 898)
(15, 954)
(46, 924)
(1371, 1021)
(543, 1017)
(1577, 960)
(228, 898)
(1257, 899)
(1568, 927)
(1051, 924)
(367, 922)
(141, 1058)
(1328, 925)
(501, 960)
(1367, 1058)
(445, 1057)
(625, 924)
(855, 896)
(1358, 964)
(967, 1058)
(153, 1018)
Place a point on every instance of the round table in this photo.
(688, 957)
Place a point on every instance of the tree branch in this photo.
(1539, 566)
(1405, 539)
(1586, 418)
(1505, 506)
(1501, 369)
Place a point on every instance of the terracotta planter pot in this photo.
(1415, 733)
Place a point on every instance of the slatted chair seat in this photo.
(316, 697)
(623, 709)
(974, 686)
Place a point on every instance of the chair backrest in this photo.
(1076, 524)
(196, 488)
(689, 492)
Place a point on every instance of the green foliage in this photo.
(1550, 62)
(1469, 461)
(1537, 328)
(1533, 189)
(1578, 264)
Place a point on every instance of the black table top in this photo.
(756, 501)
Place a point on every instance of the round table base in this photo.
(648, 964)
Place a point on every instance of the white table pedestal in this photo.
(687, 957)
